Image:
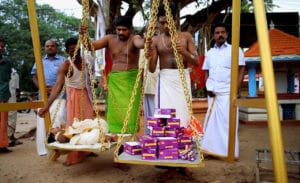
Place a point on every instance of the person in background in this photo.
(51, 63)
(170, 92)
(79, 104)
(12, 115)
(217, 65)
(5, 72)
(149, 87)
(124, 49)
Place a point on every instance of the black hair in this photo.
(219, 24)
(71, 41)
(162, 11)
(124, 21)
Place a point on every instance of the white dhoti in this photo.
(170, 93)
(216, 128)
(61, 118)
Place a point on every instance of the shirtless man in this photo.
(170, 92)
(124, 48)
(161, 48)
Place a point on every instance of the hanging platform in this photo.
(96, 148)
(137, 159)
(90, 148)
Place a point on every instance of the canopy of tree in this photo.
(15, 30)
(200, 21)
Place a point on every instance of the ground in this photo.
(24, 165)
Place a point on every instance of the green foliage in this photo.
(247, 6)
(15, 29)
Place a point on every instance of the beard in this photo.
(122, 37)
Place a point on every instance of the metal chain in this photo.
(174, 37)
(150, 33)
(84, 39)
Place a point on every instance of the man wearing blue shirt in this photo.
(51, 63)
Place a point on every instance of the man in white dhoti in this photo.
(170, 92)
(217, 65)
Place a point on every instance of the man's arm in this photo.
(102, 43)
(189, 53)
(56, 88)
(152, 54)
(35, 80)
(138, 41)
(241, 75)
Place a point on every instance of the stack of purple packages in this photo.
(165, 139)
(149, 147)
(167, 148)
(132, 148)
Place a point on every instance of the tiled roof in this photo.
(281, 44)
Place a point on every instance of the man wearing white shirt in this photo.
(12, 115)
(217, 65)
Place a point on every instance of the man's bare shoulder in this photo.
(185, 34)
(137, 37)
(65, 65)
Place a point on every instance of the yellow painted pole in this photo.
(270, 93)
(38, 56)
(236, 9)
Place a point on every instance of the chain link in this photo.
(85, 41)
(174, 38)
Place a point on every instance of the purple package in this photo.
(168, 154)
(157, 131)
(172, 132)
(165, 113)
(187, 154)
(148, 142)
(149, 154)
(154, 122)
(184, 140)
(167, 143)
(132, 148)
(173, 122)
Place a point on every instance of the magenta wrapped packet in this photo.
(187, 154)
(168, 154)
(167, 142)
(164, 113)
(147, 142)
(173, 122)
(184, 140)
(133, 148)
(156, 131)
(154, 122)
(172, 132)
(149, 154)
